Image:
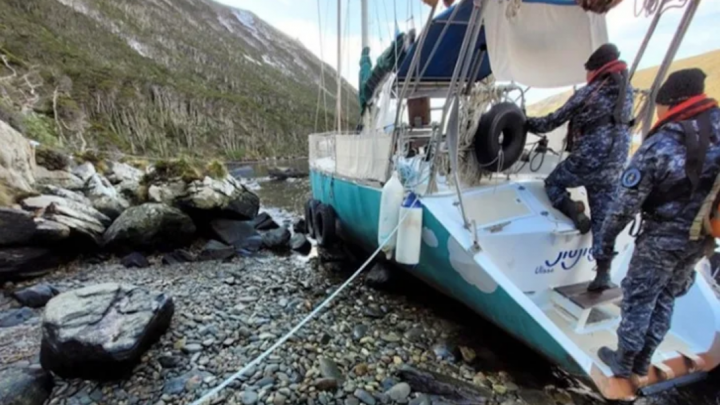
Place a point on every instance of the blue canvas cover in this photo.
(443, 62)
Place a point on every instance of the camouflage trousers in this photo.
(600, 187)
(656, 277)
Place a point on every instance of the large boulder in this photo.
(105, 198)
(59, 178)
(120, 172)
(44, 201)
(16, 227)
(100, 332)
(225, 198)
(167, 192)
(84, 171)
(25, 386)
(20, 263)
(67, 194)
(240, 234)
(49, 232)
(17, 159)
(150, 227)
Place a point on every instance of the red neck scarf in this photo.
(685, 110)
(616, 66)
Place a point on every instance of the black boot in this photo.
(620, 361)
(570, 208)
(641, 365)
(602, 277)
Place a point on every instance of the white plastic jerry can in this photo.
(390, 202)
(409, 238)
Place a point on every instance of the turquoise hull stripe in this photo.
(358, 209)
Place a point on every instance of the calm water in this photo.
(286, 199)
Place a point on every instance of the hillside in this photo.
(709, 62)
(159, 77)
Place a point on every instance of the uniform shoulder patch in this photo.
(631, 177)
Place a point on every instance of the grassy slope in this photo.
(196, 97)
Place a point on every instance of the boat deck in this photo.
(590, 342)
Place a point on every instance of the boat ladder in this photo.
(587, 311)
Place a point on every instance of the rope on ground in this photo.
(302, 323)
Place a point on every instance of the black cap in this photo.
(680, 86)
(602, 56)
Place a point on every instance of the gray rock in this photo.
(264, 222)
(265, 381)
(170, 361)
(26, 262)
(18, 227)
(84, 211)
(58, 178)
(177, 257)
(150, 227)
(249, 397)
(444, 351)
(279, 399)
(84, 171)
(133, 192)
(364, 397)
(192, 348)
(24, 387)
(167, 192)
(399, 392)
(50, 232)
(214, 250)
(359, 331)
(240, 234)
(328, 369)
(187, 382)
(17, 159)
(378, 276)
(100, 332)
(326, 384)
(352, 401)
(120, 172)
(276, 239)
(36, 296)
(300, 243)
(135, 260)
(105, 197)
(225, 198)
(15, 317)
(67, 194)
(421, 400)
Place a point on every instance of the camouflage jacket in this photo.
(595, 146)
(649, 186)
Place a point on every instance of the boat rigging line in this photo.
(210, 394)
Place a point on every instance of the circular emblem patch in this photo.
(631, 178)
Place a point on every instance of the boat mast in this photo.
(338, 104)
(364, 22)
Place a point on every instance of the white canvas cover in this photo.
(542, 45)
(355, 156)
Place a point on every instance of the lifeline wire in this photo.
(302, 323)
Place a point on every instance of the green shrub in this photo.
(216, 170)
(41, 129)
(175, 168)
(51, 159)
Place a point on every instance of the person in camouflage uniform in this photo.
(598, 115)
(667, 180)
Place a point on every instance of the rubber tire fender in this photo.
(310, 208)
(324, 224)
(504, 120)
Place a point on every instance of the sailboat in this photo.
(487, 234)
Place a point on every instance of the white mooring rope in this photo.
(302, 323)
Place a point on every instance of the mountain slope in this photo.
(709, 62)
(160, 77)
